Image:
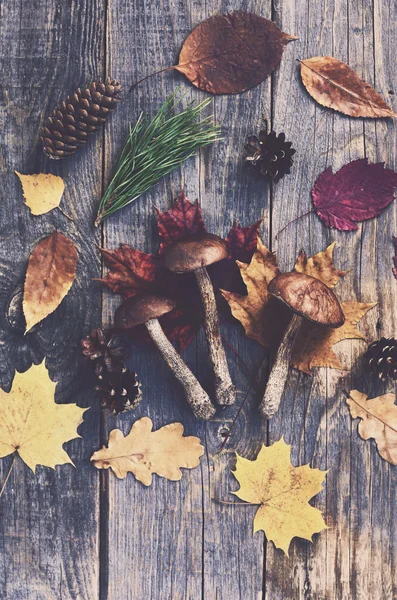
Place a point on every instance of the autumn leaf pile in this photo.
(132, 272)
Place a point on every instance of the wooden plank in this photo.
(49, 534)
(176, 541)
(342, 562)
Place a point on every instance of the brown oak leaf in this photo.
(132, 271)
(264, 318)
(228, 54)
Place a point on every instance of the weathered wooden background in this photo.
(80, 534)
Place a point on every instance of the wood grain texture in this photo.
(48, 522)
(81, 534)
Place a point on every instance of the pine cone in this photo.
(79, 115)
(381, 357)
(119, 391)
(107, 351)
(269, 154)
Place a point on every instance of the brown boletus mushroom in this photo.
(146, 309)
(308, 298)
(193, 255)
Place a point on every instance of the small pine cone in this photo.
(79, 115)
(107, 352)
(269, 155)
(381, 358)
(119, 391)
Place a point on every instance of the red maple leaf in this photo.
(132, 272)
(358, 191)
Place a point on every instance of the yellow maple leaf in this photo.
(378, 420)
(144, 452)
(283, 493)
(42, 192)
(265, 319)
(32, 424)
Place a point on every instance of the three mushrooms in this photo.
(307, 297)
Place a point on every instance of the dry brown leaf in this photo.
(32, 424)
(228, 54)
(144, 452)
(49, 276)
(378, 420)
(332, 83)
(283, 493)
(42, 192)
(265, 319)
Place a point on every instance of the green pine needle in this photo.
(153, 149)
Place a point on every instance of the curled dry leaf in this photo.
(265, 319)
(32, 424)
(228, 54)
(42, 192)
(144, 452)
(378, 420)
(332, 83)
(49, 276)
(357, 192)
(283, 493)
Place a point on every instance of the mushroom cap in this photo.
(140, 309)
(194, 252)
(308, 297)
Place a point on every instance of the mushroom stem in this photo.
(224, 389)
(198, 399)
(279, 373)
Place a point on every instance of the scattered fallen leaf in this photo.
(132, 271)
(358, 191)
(265, 319)
(378, 420)
(49, 276)
(144, 452)
(283, 493)
(228, 54)
(332, 83)
(32, 424)
(42, 192)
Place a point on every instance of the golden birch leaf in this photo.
(144, 452)
(32, 424)
(265, 319)
(378, 420)
(283, 493)
(332, 83)
(42, 192)
(49, 276)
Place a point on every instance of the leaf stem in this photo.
(8, 474)
(309, 212)
(164, 70)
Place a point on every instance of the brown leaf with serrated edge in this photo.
(228, 54)
(265, 319)
(42, 192)
(49, 277)
(144, 452)
(378, 421)
(332, 83)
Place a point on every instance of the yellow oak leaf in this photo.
(32, 424)
(265, 319)
(283, 493)
(42, 192)
(144, 452)
(378, 420)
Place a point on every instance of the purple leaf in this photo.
(358, 191)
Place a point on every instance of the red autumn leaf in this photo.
(358, 191)
(132, 272)
(182, 220)
(395, 257)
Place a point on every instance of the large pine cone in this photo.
(381, 358)
(79, 115)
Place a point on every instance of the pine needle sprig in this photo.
(153, 149)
